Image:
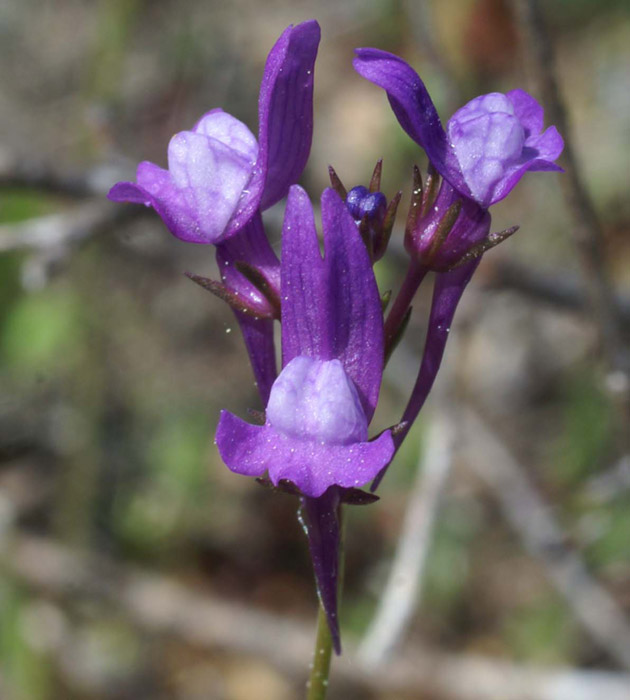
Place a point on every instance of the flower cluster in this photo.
(314, 440)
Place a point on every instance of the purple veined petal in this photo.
(413, 108)
(231, 132)
(209, 178)
(320, 518)
(548, 146)
(285, 113)
(316, 400)
(313, 467)
(306, 328)
(285, 109)
(538, 155)
(250, 245)
(447, 292)
(528, 110)
(331, 308)
(488, 141)
(154, 188)
(354, 301)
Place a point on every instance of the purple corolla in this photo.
(218, 174)
(220, 178)
(487, 146)
(316, 430)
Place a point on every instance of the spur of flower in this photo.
(315, 434)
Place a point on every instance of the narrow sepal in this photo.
(430, 191)
(441, 233)
(336, 184)
(385, 299)
(382, 240)
(258, 278)
(375, 182)
(357, 497)
(232, 298)
(480, 248)
(398, 335)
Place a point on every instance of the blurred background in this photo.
(132, 563)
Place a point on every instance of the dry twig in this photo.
(532, 519)
(162, 606)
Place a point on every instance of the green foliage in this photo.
(41, 332)
(612, 546)
(543, 632)
(177, 485)
(17, 204)
(25, 671)
(448, 563)
(586, 434)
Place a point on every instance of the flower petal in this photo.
(413, 108)
(488, 143)
(528, 110)
(285, 113)
(305, 321)
(354, 303)
(331, 308)
(313, 467)
(230, 131)
(316, 400)
(538, 155)
(209, 178)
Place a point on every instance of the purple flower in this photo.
(488, 144)
(316, 429)
(218, 175)
(220, 178)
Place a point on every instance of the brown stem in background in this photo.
(587, 231)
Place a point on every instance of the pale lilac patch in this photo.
(315, 435)
(208, 172)
(230, 131)
(316, 400)
(209, 177)
(488, 140)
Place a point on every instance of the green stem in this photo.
(317, 685)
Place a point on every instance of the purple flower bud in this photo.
(353, 200)
(361, 202)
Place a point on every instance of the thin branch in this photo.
(532, 519)
(28, 172)
(586, 227)
(402, 591)
(64, 229)
(558, 288)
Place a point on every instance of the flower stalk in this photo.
(317, 684)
